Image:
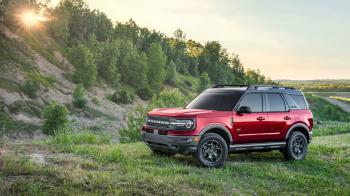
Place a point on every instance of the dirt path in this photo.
(341, 104)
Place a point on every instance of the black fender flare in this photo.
(216, 126)
(302, 125)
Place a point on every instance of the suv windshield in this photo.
(220, 101)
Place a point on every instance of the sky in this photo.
(294, 39)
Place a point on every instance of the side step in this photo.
(257, 146)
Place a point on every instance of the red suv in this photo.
(229, 118)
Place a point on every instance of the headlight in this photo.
(183, 124)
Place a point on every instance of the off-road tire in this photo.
(211, 145)
(296, 148)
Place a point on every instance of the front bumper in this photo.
(169, 143)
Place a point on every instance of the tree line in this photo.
(127, 54)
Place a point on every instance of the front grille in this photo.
(158, 122)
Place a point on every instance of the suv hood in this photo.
(183, 112)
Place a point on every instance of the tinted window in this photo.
(253, 100)
(275, 103)
(298, 101)
(216, 101)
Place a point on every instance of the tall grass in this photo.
(323, 128)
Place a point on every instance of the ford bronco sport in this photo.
(228, 118)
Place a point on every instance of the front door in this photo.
(250, 127)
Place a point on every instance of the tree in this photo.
(107, 63)
(79, 99)
(156, 62)
(84, 61)
(55, 117)
(204, 82)
(170, 75)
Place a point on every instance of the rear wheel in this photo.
(296, 148)
(212, 151)
(161, 153)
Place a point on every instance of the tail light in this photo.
(311, 122)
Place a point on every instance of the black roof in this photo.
(254, 88)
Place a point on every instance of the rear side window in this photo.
(296, 101)
(254, 101)
(275, 103)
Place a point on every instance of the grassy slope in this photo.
(132, 169)
(325, 111)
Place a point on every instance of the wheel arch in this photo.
(220, 130)
(302, 128)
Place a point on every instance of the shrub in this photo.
(95, 100)
(55, 117)
(6, 122)
(188, 83)
(122, 96)
(79, 96)
(31, 88)
(144, 93)
(136, 118)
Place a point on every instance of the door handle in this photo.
(260, 118)
(287, 118)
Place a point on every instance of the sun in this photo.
(29, 18)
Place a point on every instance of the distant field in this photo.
(318, 85)
(330, 94)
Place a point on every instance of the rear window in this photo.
(218, 101)
(296, 101)
(275, 103)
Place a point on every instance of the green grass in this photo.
(325, 111)
(323, 128)
(131, 169)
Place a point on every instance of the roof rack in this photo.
(229, 85)
(256, 87)
(270, 87)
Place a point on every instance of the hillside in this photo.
(119, 66)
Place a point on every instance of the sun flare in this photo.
(29, 18)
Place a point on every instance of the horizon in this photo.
(313, 39)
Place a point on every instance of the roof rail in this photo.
(229, 85)
(270, 87)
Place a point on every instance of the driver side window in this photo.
(254, 101)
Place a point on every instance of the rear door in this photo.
(250, 127)
(278, 114)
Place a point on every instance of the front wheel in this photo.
(296, 148)
(212, 151)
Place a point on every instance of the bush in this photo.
(55, 117)
(135, 121)
(31, 88)
(188, 83)
(6, 122)
(95, 100)
(144, 93)
(79, 96)
(136, 118)
(122, 96)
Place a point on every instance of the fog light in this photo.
(196, 139)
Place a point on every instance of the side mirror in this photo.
(244, 109)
